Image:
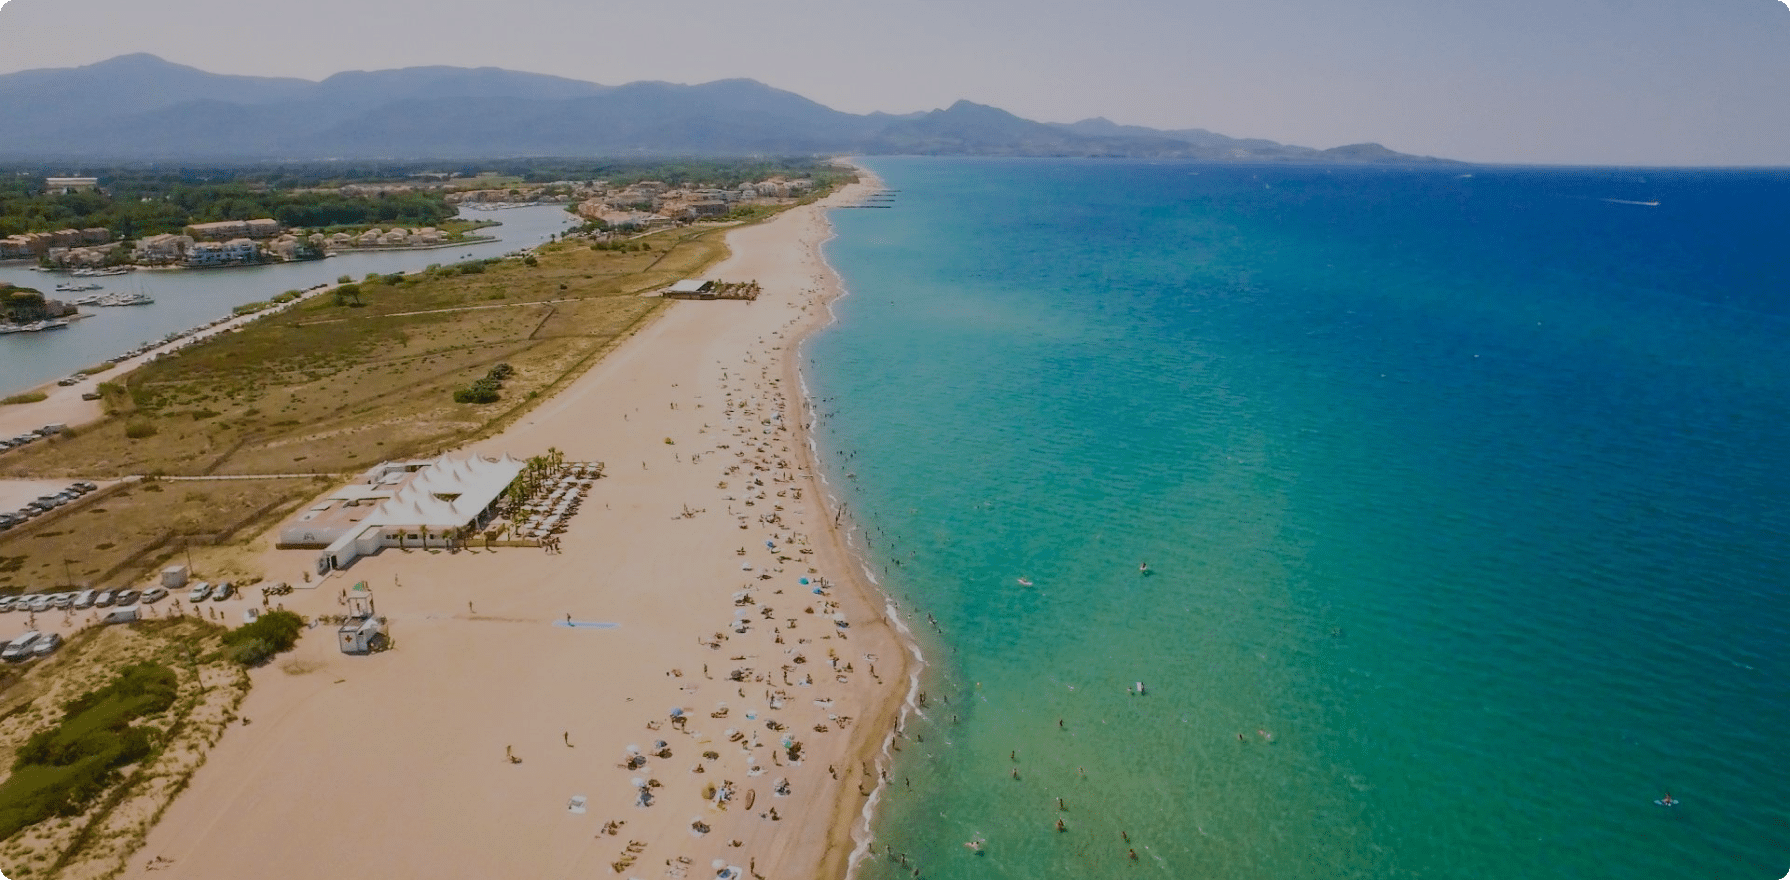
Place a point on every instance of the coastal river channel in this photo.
(185, 298)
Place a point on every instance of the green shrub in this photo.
(272, 633)
(253, 652)
(27, 397)
(59, 770)
(485, 390)
(139, 428)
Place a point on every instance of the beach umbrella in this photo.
(633, 749)
(638, 782)
(677, 712)
(718, 864)
(802, 581)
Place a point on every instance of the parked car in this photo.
(154, 594)
(199, 593)
(63, 601)
(39, 603)
(46, 645)
(84, 599)
(126, 597)
(19, 649)
(84, 486)
(6, 603)
(104, 598)
(222, 591)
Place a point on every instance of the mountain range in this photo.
(142, 108)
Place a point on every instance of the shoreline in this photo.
(849, 833)
(448, 700)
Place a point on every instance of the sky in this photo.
(1585, 82)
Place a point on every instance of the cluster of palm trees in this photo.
(535, 474)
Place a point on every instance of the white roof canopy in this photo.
(447, 493)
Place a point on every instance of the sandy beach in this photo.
(524, 724)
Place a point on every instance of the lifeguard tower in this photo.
(364, 632)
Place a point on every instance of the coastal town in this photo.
(632, 207)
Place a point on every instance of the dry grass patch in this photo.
(125, 534)
(333, 388)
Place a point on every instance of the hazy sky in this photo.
(1701, 82)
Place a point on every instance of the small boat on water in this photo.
(66, 287)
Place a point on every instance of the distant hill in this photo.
(139, 107)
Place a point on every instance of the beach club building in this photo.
(402, 504)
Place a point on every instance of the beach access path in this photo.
(399, 764)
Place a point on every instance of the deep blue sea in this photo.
(1462, 490)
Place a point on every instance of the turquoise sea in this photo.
(1463, 494)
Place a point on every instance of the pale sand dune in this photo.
(394, 765)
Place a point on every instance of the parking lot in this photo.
(63, 611)
(15, 494)
(46, 502)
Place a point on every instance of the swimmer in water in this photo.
(1143, 568)
(1667, 801)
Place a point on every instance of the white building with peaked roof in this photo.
(402, 503)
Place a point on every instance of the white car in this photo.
(199, 593)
